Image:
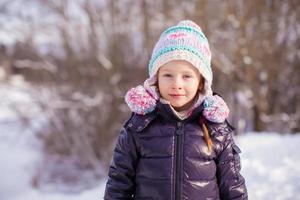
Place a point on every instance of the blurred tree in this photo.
(99, 49)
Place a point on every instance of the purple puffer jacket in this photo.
(158, 157)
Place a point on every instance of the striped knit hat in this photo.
(185, 41)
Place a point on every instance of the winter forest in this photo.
(65, 66)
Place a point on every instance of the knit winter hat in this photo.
(185, 41)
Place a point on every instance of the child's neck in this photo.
(180, 114)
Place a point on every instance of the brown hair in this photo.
(202, 120)
(201, 84)
(206, 134)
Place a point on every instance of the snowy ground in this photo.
(19, 155)
(20, 150)
(270, 161)
(270, 165)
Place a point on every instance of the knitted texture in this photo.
(140, 101)
(185, 41)
(215, 109)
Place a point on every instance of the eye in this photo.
(167, 75)
(187, 76)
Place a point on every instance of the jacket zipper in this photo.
(179, 149)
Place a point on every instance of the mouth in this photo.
(176, 95)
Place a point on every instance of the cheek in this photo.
(194, 86)
(163, 82)
(159, 83)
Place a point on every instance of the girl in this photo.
(177, 145)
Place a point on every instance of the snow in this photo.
(270, 165)
(20, 150)
(19, 155)
(270, 161)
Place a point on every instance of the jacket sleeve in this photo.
(231, 182)
(120, 183)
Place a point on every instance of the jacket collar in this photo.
(166, 112)
(140, 100)
(137, 122)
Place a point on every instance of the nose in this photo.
(177, 84)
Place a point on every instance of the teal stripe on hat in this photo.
(187, 48)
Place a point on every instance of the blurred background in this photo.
(65, 66)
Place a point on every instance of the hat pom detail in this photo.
(215, 109)
(140, 101)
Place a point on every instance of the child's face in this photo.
(178, 83)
